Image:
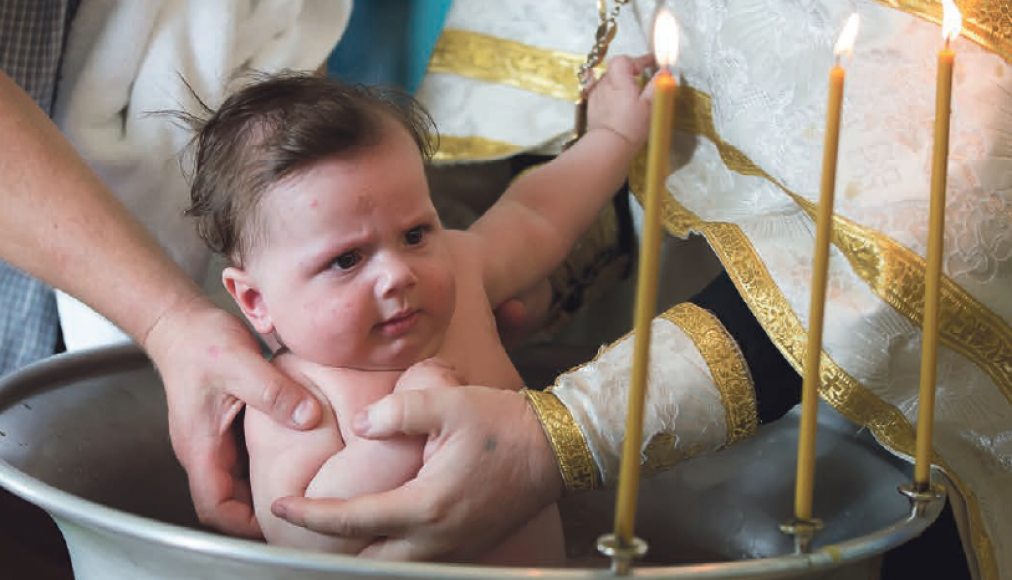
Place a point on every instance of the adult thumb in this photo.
(271, 392)
(403, 413)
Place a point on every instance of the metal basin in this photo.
(84, 436)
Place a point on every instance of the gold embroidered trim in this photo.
(507, 62)
(896, 275)
(453, 148)
(851, 399)
(892, 271)
(571, 451)
(726, 364)
(497, 60)
(986, 22)
(837, 387)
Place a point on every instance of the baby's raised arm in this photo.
(531, 229)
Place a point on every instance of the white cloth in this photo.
(467, 107)
(689, 408)
(127, 59)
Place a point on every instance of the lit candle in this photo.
(820, 271)
(951, 24)
(665, 87)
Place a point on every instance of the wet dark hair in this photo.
(271, 130)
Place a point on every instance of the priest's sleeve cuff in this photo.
(568, 443)
(699, 394)
(727, 367)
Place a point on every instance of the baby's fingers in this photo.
(627, 66)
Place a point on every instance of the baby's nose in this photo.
(396, 276)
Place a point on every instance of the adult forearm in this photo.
(61, 224)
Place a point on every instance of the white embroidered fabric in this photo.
(463, 107)
(681, 399)
(765, 64)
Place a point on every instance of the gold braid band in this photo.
(727, 366)
(571, 451)
(986, 22)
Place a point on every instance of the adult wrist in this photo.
(185, 304)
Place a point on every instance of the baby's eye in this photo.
(347, 260)
(415, 235)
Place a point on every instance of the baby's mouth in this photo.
(399, 323)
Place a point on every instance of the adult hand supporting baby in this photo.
(488, 468)
(63, 225)
(211, 365)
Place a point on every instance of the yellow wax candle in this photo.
(665, 88)
(936, 243)
(820, 271)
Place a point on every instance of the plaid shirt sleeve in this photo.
(32, 36)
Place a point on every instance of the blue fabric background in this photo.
(388, 42)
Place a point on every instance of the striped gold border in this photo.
(837, 387)
(726, 364)
(895, 273)
(986, 22)
(553, 73)
(496, 60)
(506, 62)
(571, 451)
(841, 390)
(454, 148)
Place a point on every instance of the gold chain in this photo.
(602, 39)
(585, 75)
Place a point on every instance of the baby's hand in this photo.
(616, 102)
(429, 373)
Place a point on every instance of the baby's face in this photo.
(354, 270)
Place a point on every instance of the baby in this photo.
(317, 195)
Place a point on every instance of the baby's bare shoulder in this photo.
(262, 432)
(464, 245)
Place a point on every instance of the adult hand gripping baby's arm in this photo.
(211, 365)
(488, 468)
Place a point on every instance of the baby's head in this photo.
(316, 193)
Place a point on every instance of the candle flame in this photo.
(952, 20)
(665, 39)
(845, 42)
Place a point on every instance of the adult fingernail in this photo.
(303, 413)
(279, 509)
(361, 423)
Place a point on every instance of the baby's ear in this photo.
(247, 295)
